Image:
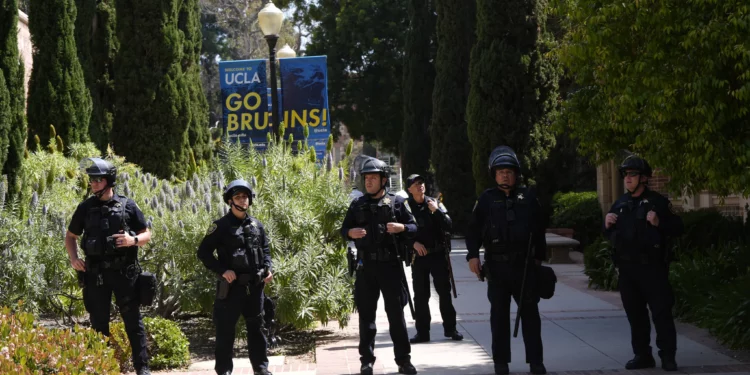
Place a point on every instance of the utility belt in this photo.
(246, 279)
(382, 254)
(145, 283)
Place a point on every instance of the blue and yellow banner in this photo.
(304, 84)
(303, 98)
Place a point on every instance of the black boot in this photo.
(419, 337)
(668, 364)
(262, 372)
(366, 369)
(641, 361)
(454, 335)
(501, 369)
(406, 368)
(537, 368)
(143, 371)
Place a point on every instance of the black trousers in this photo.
(505, 281)
(642, 286)
(436, 265)
(248, 302)
(97, 298)
(374, 278)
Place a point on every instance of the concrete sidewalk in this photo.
(584, 332)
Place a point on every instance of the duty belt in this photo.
(378, 255)
(500, 258)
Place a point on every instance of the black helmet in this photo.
(100, 167)
(411, 179)
(635, 163)
(503, 157)
(373, 165)
(234, 187)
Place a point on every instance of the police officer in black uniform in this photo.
(429, 257)
(113, 228)
(243, 267)
(639, 225)
(506, 220)
(379, 222)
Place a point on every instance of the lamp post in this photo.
(286, 52)
(270, 19)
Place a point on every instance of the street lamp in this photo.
(270, 19)
(285, 52)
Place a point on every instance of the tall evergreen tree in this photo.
(157, 79)
(451, 150)
(57, 90)
(513, 86)
(13, 73)
(419, 77)
(198, 133)
(5, 120)
(97, 47)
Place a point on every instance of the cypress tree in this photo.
(199, 136)
(13, 134)
(57, 90)
(513, 87)
(97, 47)
(419, 77)
(154, 112)
(5, 120)
(451, 150)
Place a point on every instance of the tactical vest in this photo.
(378, 244)
(246, 248)
(635, 240)
(103, 221)
(506, 233)
(428, 230)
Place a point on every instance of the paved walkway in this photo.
(584, 332)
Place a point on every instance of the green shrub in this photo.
(26, 348)
(579, 211)
(598, 265)
(711, 291)
(166, 344)
(707, 227)
(300, 203)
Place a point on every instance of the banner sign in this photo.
(303, 98)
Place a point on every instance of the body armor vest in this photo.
(635, 239)
(509, 227)
(373, 216)
(102, 221)
(246, 248)
(427, 229)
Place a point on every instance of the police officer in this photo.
(639, 225)
(379, 222)
(429, 257)
(506, 220)
(243, 267)
(113, 228)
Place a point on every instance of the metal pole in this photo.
(272, 39)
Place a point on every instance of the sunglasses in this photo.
(631, 174)
(96, 179)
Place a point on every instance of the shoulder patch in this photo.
(406, 204)
(211, 228)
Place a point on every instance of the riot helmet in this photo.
(373, 165)
(635, 163)
(235, 187)
(97, 167)
(503, 157)
(638, 164)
